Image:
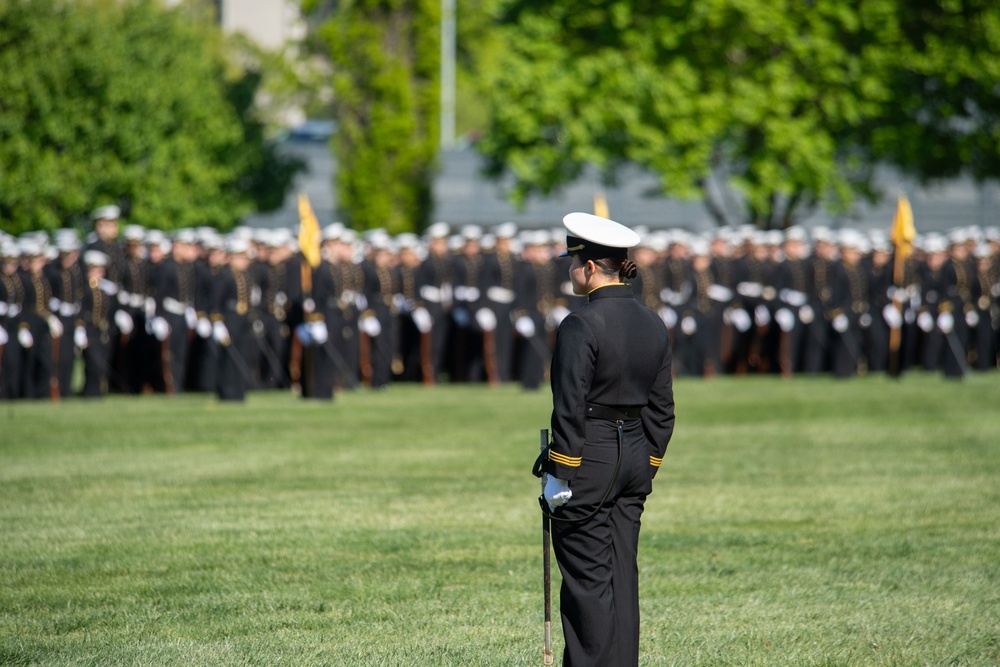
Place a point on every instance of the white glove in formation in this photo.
(422, 320)
(318, 332)
(892, 316)
(486, 319)
(840, 323)
(124, 322)
(204, 327)
(220, 333)
(761, 315)
(525, 326)
(55, 326)
(80, 337)
(946, 322)
(159, 327)
(740, 319)
(371, 326)
(4, 337)
(785, 319)
(557, 492)
(25, 338)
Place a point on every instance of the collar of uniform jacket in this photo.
(614, 290)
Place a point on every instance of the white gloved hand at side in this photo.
(556, 492)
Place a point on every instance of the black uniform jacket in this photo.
(612, 351)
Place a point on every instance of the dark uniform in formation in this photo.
(467, 308)
(612, 418)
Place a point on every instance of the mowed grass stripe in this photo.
(804, 522)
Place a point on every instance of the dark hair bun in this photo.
(628, 270)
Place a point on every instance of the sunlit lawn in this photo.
(803, 522)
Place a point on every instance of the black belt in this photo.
(614, 412)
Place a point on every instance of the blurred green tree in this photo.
(788, 104)
(123, 101)
(385, 59)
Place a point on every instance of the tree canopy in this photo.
(788, 104)
(109, 101)
(386, 60)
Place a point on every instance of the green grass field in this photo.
(803, 522)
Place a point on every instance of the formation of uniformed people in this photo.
(143, 311)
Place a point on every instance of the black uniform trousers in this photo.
(597, 557)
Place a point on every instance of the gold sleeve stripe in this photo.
(562, 459)
(655, 462)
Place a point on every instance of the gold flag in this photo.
(902, 235)
(601, 205)
(308, 232)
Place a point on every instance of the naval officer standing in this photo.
(612, 418)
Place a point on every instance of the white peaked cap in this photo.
(592, 232)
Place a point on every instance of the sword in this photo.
(240, 363)
(546, 564)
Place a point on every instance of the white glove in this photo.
(559, 313)
(525, 326)
(25, 338)
(371, 326)
(785, 319)
(80, 337)
(486, 319)
(318, 331)
(719, 293)
(840, 323)
(925, 321)
(159, 328)
(304, 334)
(55, 326)
(191, 317)
(792, 297)
(688, 325)
(806, 314)
(865, 320)
(107, 286)
(761, 316)
(892, 316)
(740, 319)
(669, 316)
(557, 492)
(468, 294)
(204, 327)
(124, 322)
(220, 333)
(3, 308)
(422, 320)
(972, 319)
(946, 322)
(4, 337)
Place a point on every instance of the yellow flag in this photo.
(308, 231)
(601, 205)
(902, 234)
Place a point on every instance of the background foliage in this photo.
(789, 105)
(385, 58)
(104, 101)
